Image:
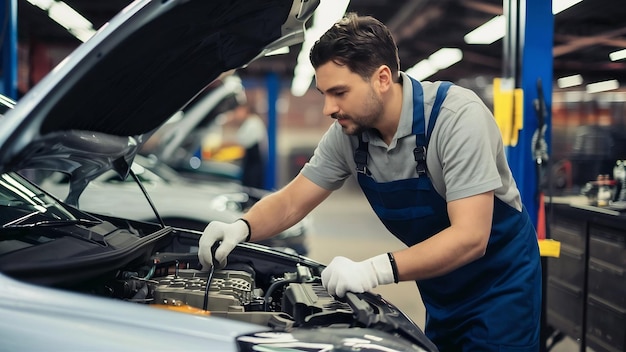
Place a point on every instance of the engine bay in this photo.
(281, 300)
(144, 264)
(295, 299)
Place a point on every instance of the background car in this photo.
(179, 143)
(77, 280)
(181, 202)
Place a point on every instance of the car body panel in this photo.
(77, 322)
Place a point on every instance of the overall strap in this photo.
(418, 129)
(421, 137)
(360, 156)
(442, 91)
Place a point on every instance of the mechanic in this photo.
(430, 160)
(252, 136)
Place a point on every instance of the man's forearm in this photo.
(269, 216)
(436, 256)
(284, 208)
(463, 242)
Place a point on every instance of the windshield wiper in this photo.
(91, 237)
(19, 220)
(49, 223)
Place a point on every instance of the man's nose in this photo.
(330, 107)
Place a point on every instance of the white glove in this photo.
(343, 275)
(229, 234)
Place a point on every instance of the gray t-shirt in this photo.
(465, 155)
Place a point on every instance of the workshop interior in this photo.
(552, 72)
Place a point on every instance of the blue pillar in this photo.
(529, 43)
(8, 12)
(272, 84)
(529, 59)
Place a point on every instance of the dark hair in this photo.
(362, 43)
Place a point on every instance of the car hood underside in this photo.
(95, 109)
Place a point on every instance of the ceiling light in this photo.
(445, 57)
(602, 86)
(562, 5)
(422, 70)
(569, 81)
(42, 4)
(326, 14)
(495, 28)
(488, 33)
(618, 55)
(67, 17)
(439, 60)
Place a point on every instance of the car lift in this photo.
(527, 74)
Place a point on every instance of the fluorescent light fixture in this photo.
(495, 28)
(439, 60)
(83, 34)
(42, 4)
(67, 17)
(562, 5)
(445, 57)
(569, 81)
(488, 33)
(422, 70)
(302, 76)
(303, 72)
(326, 14)
(618, 55)
(602, 86)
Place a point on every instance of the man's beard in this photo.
(374, 110)
(355, 128)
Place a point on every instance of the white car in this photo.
(180, 202)
(72, 280)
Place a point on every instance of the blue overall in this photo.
(490, 304)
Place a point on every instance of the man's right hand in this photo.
(229, 235)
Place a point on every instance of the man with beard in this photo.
(430, 160)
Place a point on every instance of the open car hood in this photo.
(97, 107)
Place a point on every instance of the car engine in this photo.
(291, 300)
(280, 292)
(272, 289)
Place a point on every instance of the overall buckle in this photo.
(360, 158)
(420, 158)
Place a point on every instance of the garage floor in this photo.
(345, 225)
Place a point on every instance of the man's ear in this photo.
(383, 78)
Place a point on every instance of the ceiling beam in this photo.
(583, 42)
(480, 6)
(616, 42)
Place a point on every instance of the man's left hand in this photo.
(343, 275)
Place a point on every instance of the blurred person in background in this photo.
(430, 159)
(251, 135)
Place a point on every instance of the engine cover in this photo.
(230, 290)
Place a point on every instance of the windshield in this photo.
(23, 202)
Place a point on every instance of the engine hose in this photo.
(150, 273)
(272, 288)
